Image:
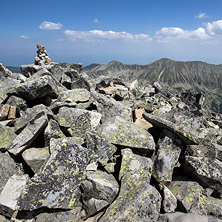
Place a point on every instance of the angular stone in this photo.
(4, 72)
(218, 149)
(8, 167)
(99, 190)
(4, 111)
(169, 149)
(30, 115)
(183, 217)
(28, 70)
(57, 186)
(36, 157)
(19, 103)
(12, 112)
(137, 200)
(108, 90)
(207, 171)
(37, 88)
(75, 95)
(78, 120)
(122, 132)
(26, 138)
(187, 193)
(10, 194)
(169, 200)
(143, 124)
(213, 206)
(6, 137)
(52, 131)
(162, 123)
(102, 148)
(109, 107)
(57, 105)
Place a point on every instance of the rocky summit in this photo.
(75, 148)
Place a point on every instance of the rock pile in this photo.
(42, 56)
(83, 149)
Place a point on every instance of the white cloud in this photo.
(169, 33)
(50, 26)
(98, 35)
(202, 16)
(25, 37)
(214, 28)
(96, 20)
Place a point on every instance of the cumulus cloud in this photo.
(167, 33)
(25, 37)
(50, 26)
(214, 28)
(96, 20)
(98, 35)
(201, 16)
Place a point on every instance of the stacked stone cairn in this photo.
(103, 150)
(42, 57)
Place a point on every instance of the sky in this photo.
(100, 31)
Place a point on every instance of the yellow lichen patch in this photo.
(71, 203)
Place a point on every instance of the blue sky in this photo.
(98, 31)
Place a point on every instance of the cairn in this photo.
(42, 56)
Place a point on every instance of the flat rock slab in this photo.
(37, 88)
(7, 135)
(162, 123)
(28, 135)
(137, 200)
(78, 120)
(75, 95)
(205, 170)
(57, 186)
(10, 194)
(102, 148)
(122, 132)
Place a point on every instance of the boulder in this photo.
(125, 133)
(102, 148)
(10, 194)
(207, 171)
(4, 72)
(74, 95)
(52, 131)
(6, 137)
(168, 153)
(36, 157)
(159, 122)
(188, 194)
(109, 107)
(213, 206)
(37, 88)
(57, 185)
(27, 137)
(99, 190)
(137, 199)
(78, 120)
(8, 168)
(169, 200)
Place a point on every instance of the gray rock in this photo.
(137, 200)
(109, 107)
(57, 185)
(218, 149)
(36, 157)
(28, 70)
(159, 122)
(213, 206)
(26, 138)
(183, 217)
(187, 193)
(6, 137)
(169, 200)
(102, 148)
(37, 88)
(78, 120)
(4, 72)
(52, 131)
(3, 219)
(74, 95)
(99, 190)
(8, 167)
(19, 103)
(169, 149)
(122, 132)
(55, 106)
(10, 194)
(205, 170)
